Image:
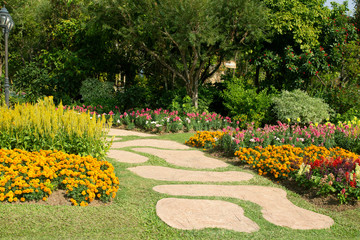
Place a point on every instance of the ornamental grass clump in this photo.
(43, 126)
(26, 176)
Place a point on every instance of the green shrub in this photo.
(299, 105)
(242, 100)
(34, 82)
(95, 92)
(133, 97)
(43, 126)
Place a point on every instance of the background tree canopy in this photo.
(188, 38)
(155, 53)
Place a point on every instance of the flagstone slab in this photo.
(126, 157)
(122, 132)
(171, 174)
(189, 214)
(150, 143)
(191, 159)
(276, 208)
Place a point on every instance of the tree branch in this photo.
(162, 61)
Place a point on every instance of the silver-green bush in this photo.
(299, 105)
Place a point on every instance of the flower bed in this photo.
(44, 126)
(159, 120)
(339, 175)
(328, 170)
(26, 176)
(282, 161)
(205, 139)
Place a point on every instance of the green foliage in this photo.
(133, 97)
(33, 127)
(95, 92)
(244, 100)
(297, 21)
(186, 38)
(299, 105)
(33, 81)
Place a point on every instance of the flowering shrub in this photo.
(42, 125)
(26, 176)
(205, 139)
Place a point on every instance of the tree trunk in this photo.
(192, 89)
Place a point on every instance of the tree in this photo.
(294, 25)
(187, 37)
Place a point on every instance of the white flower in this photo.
(118, 121)
(146, 122)
(252, 140)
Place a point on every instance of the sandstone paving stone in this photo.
(276, 208)
(171, 174)
(126, 157)
(188, 214)
(150, 143)
(191, 158)
(122, 132)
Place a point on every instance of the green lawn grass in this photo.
(132, 215)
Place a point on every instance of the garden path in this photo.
(190, 214)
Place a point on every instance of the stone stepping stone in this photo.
(189, 214)
(171, 174)
(191, 159)
(122, 132)
(276, 208)
(150, 143)
(126, 157)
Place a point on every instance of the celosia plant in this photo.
(26, 176)
(43, 125)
